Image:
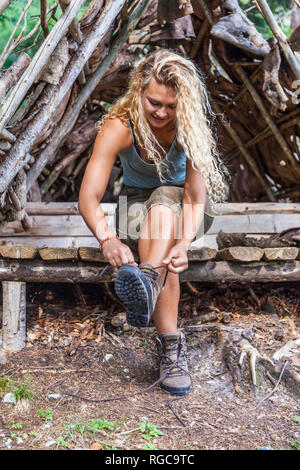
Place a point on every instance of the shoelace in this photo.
(152, 269)
(171, 364)
(144, 268)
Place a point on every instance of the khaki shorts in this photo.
(133, 206)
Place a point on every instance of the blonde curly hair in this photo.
(193, 114)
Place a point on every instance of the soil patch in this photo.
(80, 350)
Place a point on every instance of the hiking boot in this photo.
(139, 289)
(173, 363)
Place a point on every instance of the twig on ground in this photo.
(253, 295)
(275, 388)
(174, 412)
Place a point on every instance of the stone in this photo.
(10, 399)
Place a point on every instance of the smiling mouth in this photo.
(159, 119)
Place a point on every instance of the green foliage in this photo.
(47, 415)
(98, 424)
(295, 444)
(149, 430)
(10, 17)
(60, 442)
(149, 446)
(280, 9)
(16, 426)
(295, 420)
(22, 393)
(5, 385)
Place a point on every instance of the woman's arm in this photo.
(194, 199)
(114, 137)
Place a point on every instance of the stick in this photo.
(38, 62)
(275, 388)
(280, 36)
(85, 93)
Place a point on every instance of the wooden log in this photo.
(240, 253)
(91, 254)
(38, 62)
(236, 29)
(14, 315)
(13, 73)
(89, 272)
(55, 94)
(56, 66)
(228, 208)
(74, 225)
(202, 254)
(53, 242)
(74, 26)
(272, 87)
(5, 146)
(85, 93)
(282, 254)
(58, 253)
(247, 156)
(53, 271)
(280, 36)
(227, 271)
(273, 126)
(18, 251)
(6, 135)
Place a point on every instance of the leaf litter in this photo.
(88, 349)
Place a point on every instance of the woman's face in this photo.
(159, 104)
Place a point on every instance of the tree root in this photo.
(235, 345)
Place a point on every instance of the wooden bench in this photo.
(60, 248)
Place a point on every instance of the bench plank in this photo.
(18, 251)
(283, 254)
(228, 208)
(207, 271)
(58, 253)
(240, 253)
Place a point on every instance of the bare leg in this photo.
(157, 238)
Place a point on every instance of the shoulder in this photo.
(117, 133)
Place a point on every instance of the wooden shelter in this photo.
(50, 103)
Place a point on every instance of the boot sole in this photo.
(176, 390)
(132, 288)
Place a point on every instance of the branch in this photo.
(55, 94)
(85, 93)
(38, 62)
(10, 47)
(44, 23)
(280, 36)
(12, 75)
(4, 4)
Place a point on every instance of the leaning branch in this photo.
(280, 36)
(84, 94)
(38, 62)
(56, 93)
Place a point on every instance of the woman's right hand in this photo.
(117, 253)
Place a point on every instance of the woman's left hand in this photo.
(177, 260)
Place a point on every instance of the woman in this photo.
(161, 132)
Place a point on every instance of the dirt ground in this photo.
(80, 351)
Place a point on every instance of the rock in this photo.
(54, 396)
(108, 357)
(50, 443)
(10, 399)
